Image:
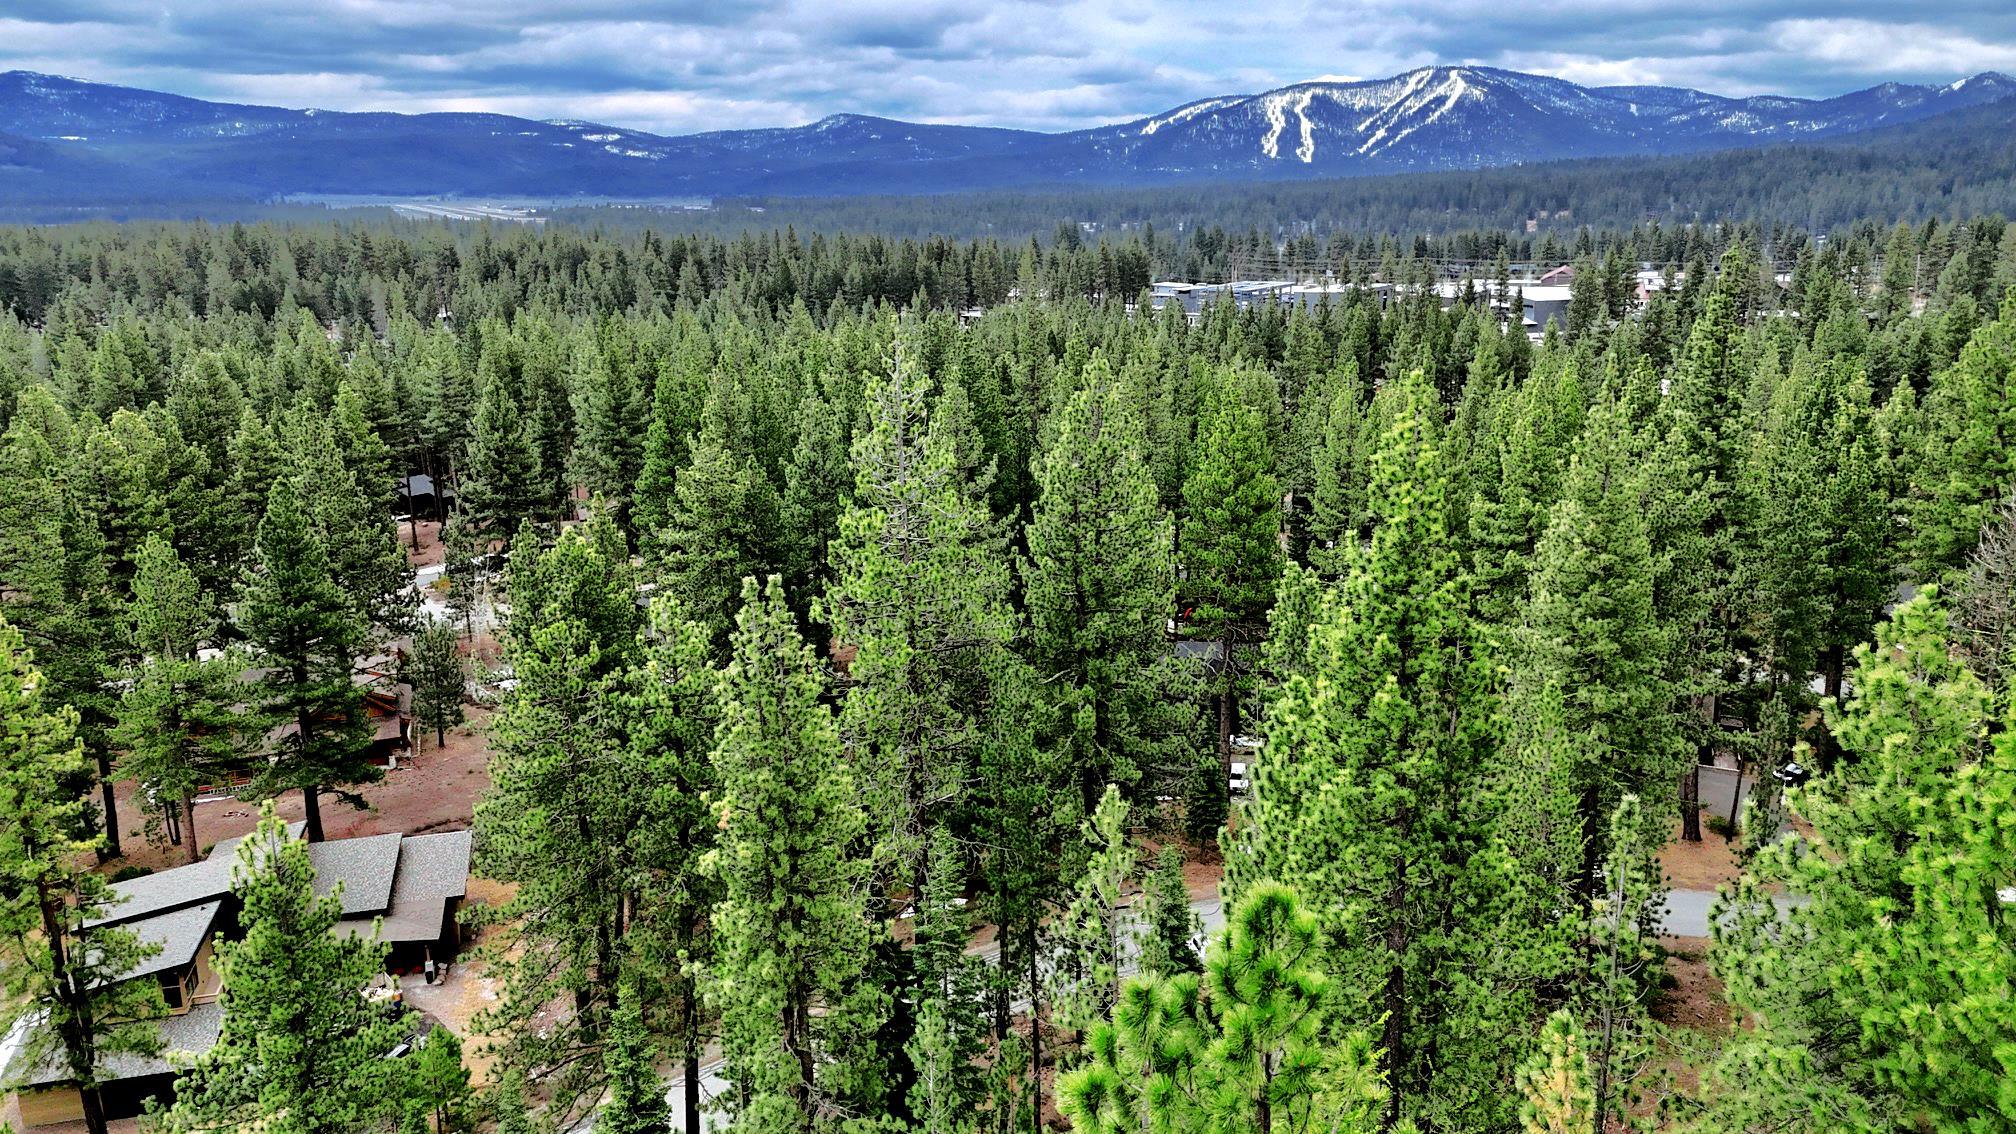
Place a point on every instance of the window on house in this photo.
(175, 988)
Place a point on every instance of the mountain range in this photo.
(67, 140)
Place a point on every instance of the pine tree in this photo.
(302, 1051)
(668, 708)
(1984, 607)
(1624, 963)
(1695, 515)
(562, 807)
(1592, 633)
(818, 488)
(1337, 501)
(507, 1101)
(1536, 428)
(1170, 927)
(722, 527)
(1022, 812)
(447, 387)
(1100, 586)
(1094, 937)
(636, 1093)
(308, 637)
(675, 408)
(608, 452)
(1970, 436)
(55, 570)
(363, 452)
(921, 596)
(1902, 925)
(439, 679)
(1556, 1084)
(790, 932)
(949, 1036)
(61, 968)
(1370, 787)
(1250, 1046)
(361, 539)
(255, 461)
(181, 721)
(1817, 557)
(502, 484)
(1271, 1066)
(439, 1096)
(1231, 546)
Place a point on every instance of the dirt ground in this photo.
(455, 1000)
(431, 790)
(428, 553)
(1698, 866)
(1695, 1001)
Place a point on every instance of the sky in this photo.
(677, 66)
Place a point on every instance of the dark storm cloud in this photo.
(679, 65)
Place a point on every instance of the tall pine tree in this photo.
(307, 637)
(792, 942)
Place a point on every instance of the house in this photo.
(1543, 302)
(411, 886)
(1561, 276)
(388, 709)
(1248, 295)
(418, 494)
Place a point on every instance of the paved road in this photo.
(1687, 912)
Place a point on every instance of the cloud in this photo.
(1906, 49)
(675, 66)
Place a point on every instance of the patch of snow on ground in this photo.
(1277, 120)
(1184, 114)
(1307, 150)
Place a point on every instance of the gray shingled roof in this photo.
(432, 869)
(180, 933)
(170, 889)
(408, 880)
(183, 1038)
(364, 866)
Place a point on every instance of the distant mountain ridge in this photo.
(68, 139)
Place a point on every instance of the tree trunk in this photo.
(799, 1036)
(1690, 802)
(690, 1060)
(1227, 706)
(1736, 799)
(1263, 1118)
(189, 828)
(1833, 667)
(76, 1032)
(1035, 1032)
(311, 810)
(1591, 808)
(440, 736)
(1690, 777)
(1395, 1038)
(111, 849)
(94, 1110)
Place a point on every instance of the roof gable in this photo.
(365, 867)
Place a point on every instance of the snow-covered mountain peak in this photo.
(1428, 118)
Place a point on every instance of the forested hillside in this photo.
(881, 622)
(1957, 165)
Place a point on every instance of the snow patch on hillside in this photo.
(1185, 113)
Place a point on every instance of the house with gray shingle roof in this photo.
(406, 888)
